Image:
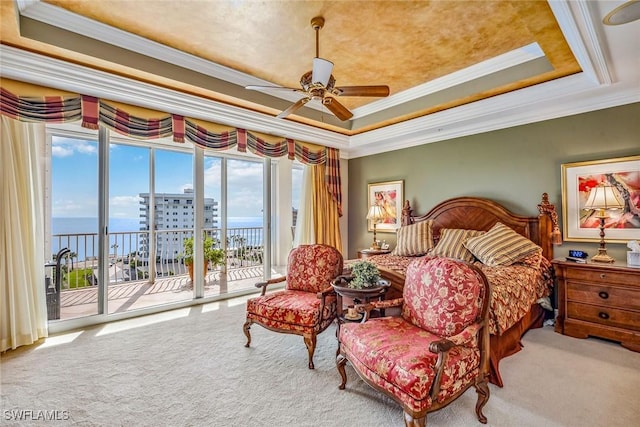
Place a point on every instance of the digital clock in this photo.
(578, 254)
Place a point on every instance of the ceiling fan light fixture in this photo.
(322, 69)
(319, 84)
(623, 14)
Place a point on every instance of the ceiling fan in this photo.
(319, 85)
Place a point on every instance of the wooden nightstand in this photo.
(364, 253)
(602, 300)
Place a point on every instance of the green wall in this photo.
(511, 166)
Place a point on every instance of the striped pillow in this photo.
(414, 240)
(451, 243)
(500, 246)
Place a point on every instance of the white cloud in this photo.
(61, 151)
(124, 206)
(64, 147)
(125, 201)
(75, 208)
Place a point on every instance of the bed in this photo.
(519, 290)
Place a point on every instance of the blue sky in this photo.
(75, 179)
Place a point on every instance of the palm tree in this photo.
(239, 242)
(72, 255)
(115, 251)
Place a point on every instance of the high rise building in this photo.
(174, 213)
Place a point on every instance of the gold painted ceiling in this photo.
(402, 44)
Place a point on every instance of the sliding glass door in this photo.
(151, 211)
(72, 201)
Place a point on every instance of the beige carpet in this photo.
(189, 367)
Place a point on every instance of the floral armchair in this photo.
(438, 347)
(307, 305)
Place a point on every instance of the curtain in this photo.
(23, 310)
(305, 234)
(39, 104)
(325, 209)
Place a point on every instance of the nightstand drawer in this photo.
(629, 320)
(606, 296)
(606, 277)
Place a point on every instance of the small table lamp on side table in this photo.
(602, 198)
(376, 214)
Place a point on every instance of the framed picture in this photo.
(388, 195)
(577, 180)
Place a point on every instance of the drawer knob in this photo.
(603, 315)
(603, 294)
(602, 275)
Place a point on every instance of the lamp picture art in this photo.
(601, 196)
(387, 197)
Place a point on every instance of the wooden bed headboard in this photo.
(476, 213)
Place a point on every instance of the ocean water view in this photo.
(83, 246)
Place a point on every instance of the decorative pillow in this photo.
(500, 246)
(451, 243)
(414, 240)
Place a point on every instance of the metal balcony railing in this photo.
(129, 254)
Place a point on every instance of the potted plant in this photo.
(212, 255)
(365, 275)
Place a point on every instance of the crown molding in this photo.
(62, 18)
(559, 98)
(562, 97)
(33, 68)
(577, 23)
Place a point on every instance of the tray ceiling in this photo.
(433, 55)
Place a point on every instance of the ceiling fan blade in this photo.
(363, 91)
(293, 108)
(338, 109)
(321, 71)
(273, 88)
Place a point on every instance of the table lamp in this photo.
(376, 214)
(603, 198)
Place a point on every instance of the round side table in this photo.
(359, 296)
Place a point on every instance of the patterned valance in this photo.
(55, 109)
(128, 120)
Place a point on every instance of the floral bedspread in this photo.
(514, 288)
(395, 263)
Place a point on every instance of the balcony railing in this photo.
(129, 254)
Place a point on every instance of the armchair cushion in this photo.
(291, 310)
(442, 298)
(394, 354)
(312, 267)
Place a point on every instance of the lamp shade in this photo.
(376, 213)
(321, 72)
(604, 196)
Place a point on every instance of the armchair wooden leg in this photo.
(310, 342)
(410, 421)
(245, 328)
(340, 362)
(482, 388)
